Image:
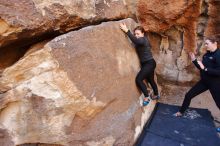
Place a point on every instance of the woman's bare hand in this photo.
(192, 56)
(123, 27)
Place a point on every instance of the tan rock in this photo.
(159, 16)
(26, 22)
(214, 18)
(181, 26)
(173, 63)
(78, 89)
(5, 139)
(30, 19)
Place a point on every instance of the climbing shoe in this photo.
(146, 101)
(155, 97)
(218, 129)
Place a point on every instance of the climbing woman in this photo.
(148, 64)
(210, 75)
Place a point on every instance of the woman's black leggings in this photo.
(202, 86)
(147, 73)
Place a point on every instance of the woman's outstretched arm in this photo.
(136, 41)
(194, 60)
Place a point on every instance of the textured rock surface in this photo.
(23, 19)
(173, 64)
(214, 18)
(25, 22)
(159, 16)
(175, 21)
(78, 89)
(180, 28)
(5, 138)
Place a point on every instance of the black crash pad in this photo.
(195, 128)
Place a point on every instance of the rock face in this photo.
(175, 22)
(25, 22)
(78, 89)
(214, 18)
(22, 19)
(180, 27)
(159, 16)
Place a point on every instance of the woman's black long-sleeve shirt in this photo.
(211, 61)
(143, 47)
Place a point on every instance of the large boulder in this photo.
(78, 89)
(175, 22)
(159, 16)
(214, 18)
(26, 22)
(178, 28)
(26, 19)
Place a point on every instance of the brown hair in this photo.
(140, 28)
(212, 39)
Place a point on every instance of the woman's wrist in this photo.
(195, 59)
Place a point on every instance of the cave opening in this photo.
(13, 52)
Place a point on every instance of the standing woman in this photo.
(209, 73)
(148, 64)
